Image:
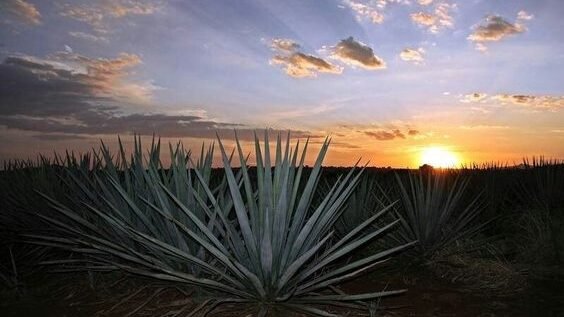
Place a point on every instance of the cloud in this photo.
(424, 2)
(356, 53)
(371, 10)
(551, 103)
(423, 18)
(99, 13)
(89, 37)
(91, 15)
(108, 75)
(413, 55)
(22, 10)
(300, 65)
(437, 20)
(391, 134)
(383, 135)
(524, 15)
(163, 125)
(494, 28)
(73, 96)
(481, 47)
(533, 102)
(63, 82)
(367, 10)
(131, 7)
(285, 45)
(297, 64)
(475, 97)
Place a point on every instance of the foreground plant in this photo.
(260, 243)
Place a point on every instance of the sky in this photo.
(387, 80)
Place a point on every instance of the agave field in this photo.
(122, 233)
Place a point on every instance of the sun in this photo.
(439, 157)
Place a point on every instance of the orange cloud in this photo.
(413, 55)
(304, 65)
(129, 7)
(97, 14)
(475, 97)
(355, 53)
(494, 28)
(367, 10)
(102, 76)
(387, 135)
(535, 102)
(436, 20)
(423, 18)
(297, 64)
(285, 45)
(551, 103)
(24, 11)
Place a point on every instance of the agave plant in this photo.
(261, 243)
(541, 184)
(366, 200)
(540, 194)
(20, 204)
(436, 212)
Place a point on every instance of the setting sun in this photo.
(439, 157)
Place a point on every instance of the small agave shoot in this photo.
(258, 242)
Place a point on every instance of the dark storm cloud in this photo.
(77, 96)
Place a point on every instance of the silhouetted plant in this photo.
(260, 242)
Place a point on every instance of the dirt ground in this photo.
(427, 295)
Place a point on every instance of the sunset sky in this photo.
(387, 79)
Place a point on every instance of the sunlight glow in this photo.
(439, 157)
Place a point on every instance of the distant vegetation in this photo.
(275, 236)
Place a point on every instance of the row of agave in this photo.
(434, 208)
(272, 236)
(256, 239)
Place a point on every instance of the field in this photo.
(124, 234)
